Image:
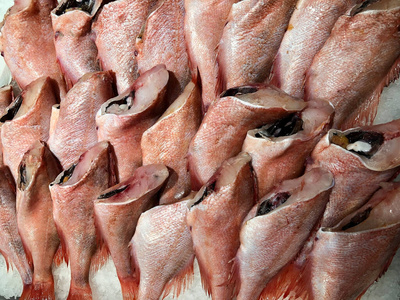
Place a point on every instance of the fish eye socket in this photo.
(283, 127)
(237, 91)
(84, 5)
(272, 203)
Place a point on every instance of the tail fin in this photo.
(130, 288)
(79, 293)
(26, 292)
(180, 282)
(42, 290)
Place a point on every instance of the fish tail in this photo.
(180, 282)
(60, 256)
(26, 292)
(42, 290)
(79, 293)
(129, 287)
(100, 258)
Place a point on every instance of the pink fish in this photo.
(251, 39)
(27, 120)
(123, 119)
(350, 77)
(225, 125)
(215, 217)
(204, 24)
(6, 97)
(117, 211)
(75, 48)
(116, 28)
(276, 229)
(11, 246)
(279, 150)
(73, 193)
(27, 45)
(167, 141)
(309, 28)
(75, 130)
(162, 249)
(37, 170)
(360, 159)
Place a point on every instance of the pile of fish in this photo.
(238, 133)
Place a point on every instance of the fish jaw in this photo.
(215, 217)
(168, 140)
(30, 123)
(225, 125)
(124, 124)
(73, 193)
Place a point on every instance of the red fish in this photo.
(225, 125)
(27, 120)
(250, 40)
(27, 45)
(167, 141)
(215, 217)
(117, 211)
(75, 130)
(37, 170)
(276, 229)
(309, 28)
(204, 24)
(351, 78)
(11, 246)
(279, 150)
(360, 159)
(123, 119)
(73, 193)
(162, 249)
(75, 48)
(116, 28)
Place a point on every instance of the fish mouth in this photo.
(119, 105)
(272, 203)
(288, 126)
(64, 176)
(12, 110)
(69, 5)
(374, 5)
(241, 90)
(113, 192)
(204, 193)
(357, 219)
(365, 143)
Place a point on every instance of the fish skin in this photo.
(11, 246)
(354, 82)
(73, 208)
(287, 154)
(204, 24)
(309, 28)
(355, 175)
(6, 97)
(166, 45)
(75, 48)
(31, 123)
(367, 249)
(124, 129)
(117, 26)
(75, 131)
(167, 142)
(162, 249)
(270, 241)
(225, 125)
(250, 40)
(117, 216)
(215, 223)
(35, 216)
(27, 28)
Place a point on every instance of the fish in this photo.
(38, 168)
(277, 227)
(26, 29)
(116, 28)
(75, 48)
(215, 217)
(11, 246)
(75, 129)
(226, 123)
(360, 159)
(162, 249)
(163, 42)
(27, 118)
(279, 150)
(168, 140)
(353, 80)
(366, 240)
(251, 39)
(309, 27)
(73, 192)
(123, 119)
(204, 24)
(117, 211)
(6, 97)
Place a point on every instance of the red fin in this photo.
(60, 256)
(130, 288)
(76, 293)
(42, 290)
(26, 292)
(235, 279)
(204, 279)
(6, 260)
(180, 282)
(100, 258)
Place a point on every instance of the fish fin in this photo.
(26, 292)
(221, 84)
(42, 290)
(79, 293)
(274, 74)
(235, 278)
(365, 114)
(180, 282)
(205, 281)
(130, 288)
(100, 258)
(60, 256)
(68, 81)
(6, 260)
